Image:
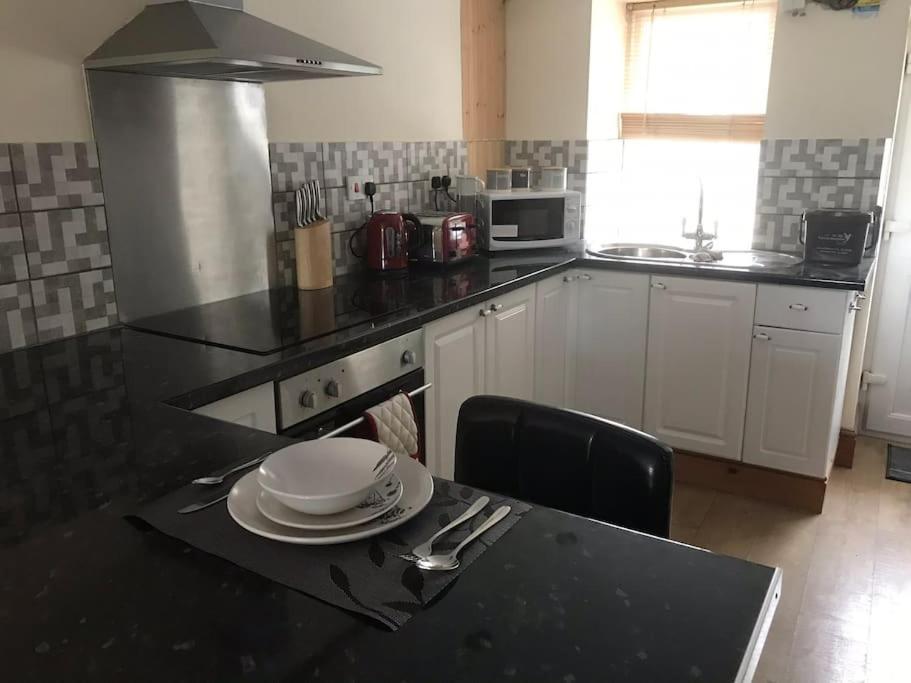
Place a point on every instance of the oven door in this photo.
(349, 411)
(531, 219)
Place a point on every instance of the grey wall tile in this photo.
(286, 259)
(56, 175)
(66, 240)
(447, 155)
(292, 163)
(21, 385)
(7, 186)
(578, 183)
(858, 158)
(17, 317)
(570, 153)
(83, 365)
(777, 232)
(13, 264)
(283, 215)
(384, 161)
(350, 215)
(792, 195)
(71, 304)
(343, 260)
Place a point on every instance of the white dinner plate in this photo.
(379, 500)
(417, 490)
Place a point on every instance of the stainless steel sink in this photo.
(649, 252)
(757, 259)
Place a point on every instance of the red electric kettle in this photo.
(389, 234)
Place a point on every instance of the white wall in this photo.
(43, 43)
(606, 72)
(835, 74)
(547, 52)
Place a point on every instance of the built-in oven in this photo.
(524, 219)
(330, 400)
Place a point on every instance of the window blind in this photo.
(697, 70)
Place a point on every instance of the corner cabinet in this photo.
(697, 370)
(554, 338)
(483, 349)
(606, 368)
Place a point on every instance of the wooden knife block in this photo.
(313, 249)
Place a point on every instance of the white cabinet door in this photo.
(510, 355)
(698, 362)
(554, 338)
(791, 406)
(608, 366)
(251, 408)
(454, 364)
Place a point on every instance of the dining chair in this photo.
(566, 460)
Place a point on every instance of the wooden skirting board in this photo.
(844, 453)
(729, 476)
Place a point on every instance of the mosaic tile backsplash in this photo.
(55, 259)
(399, 169)
(797, 175)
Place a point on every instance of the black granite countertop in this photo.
(94, 425)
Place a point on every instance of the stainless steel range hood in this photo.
(216, 39)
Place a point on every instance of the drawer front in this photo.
(802, 308)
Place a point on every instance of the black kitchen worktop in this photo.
(92, 426)
(271, 321)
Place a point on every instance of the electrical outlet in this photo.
(354, 186)
(436, 172)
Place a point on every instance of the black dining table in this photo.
(88, 595)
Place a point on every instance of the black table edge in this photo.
(760, 630)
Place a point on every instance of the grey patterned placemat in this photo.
(365, 576)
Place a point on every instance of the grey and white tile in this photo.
(83, 365)
(793, 195)
(385, 162)
(21, 385)
(343, 260)
(573, 154)
(17, 317)
(283, 215)
(286, 260)
(777, 232)
(350, 215)
(7, 186)
(56, 175)
(843, 158)
(66, 241)
(74, 303)
(13, 262)
(578, 182)
(448, 155)
(293, 163)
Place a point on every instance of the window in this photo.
(696, 81)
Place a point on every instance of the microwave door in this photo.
(528, 219)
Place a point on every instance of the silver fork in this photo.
(424, 549)
(218, 479)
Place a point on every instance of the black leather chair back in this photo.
(566, 460)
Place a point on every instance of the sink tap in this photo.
(703, 239)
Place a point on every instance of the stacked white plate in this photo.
(326, 491)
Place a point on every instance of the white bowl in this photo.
(322, 477)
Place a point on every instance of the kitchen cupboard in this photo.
(483, 349)
(554, 338)
(698, 361)
(251, 408)
(606, 375)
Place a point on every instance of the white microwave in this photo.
(528, 219)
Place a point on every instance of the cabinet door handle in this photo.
(585, 276)
(658, 285)
(798, 307)
(762, 336)
(570, 278)
(855, 307)
(485, 312)
(858, 295)
(496, 307)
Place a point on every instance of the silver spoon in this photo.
(213, 481)
(451, 560)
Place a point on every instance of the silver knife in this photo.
(194, 507)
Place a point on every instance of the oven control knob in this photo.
(332, 388)
(408, 358)
(307, 399)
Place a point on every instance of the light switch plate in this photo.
(354, 186)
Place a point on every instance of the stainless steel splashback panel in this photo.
(185, 168)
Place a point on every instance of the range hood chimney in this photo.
(218, 40)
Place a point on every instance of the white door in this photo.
(454, 364)
(608, 366)
(554, 302)
(510, 355)
(698, 362)
(793, 377)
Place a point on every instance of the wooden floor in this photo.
(845, 610)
